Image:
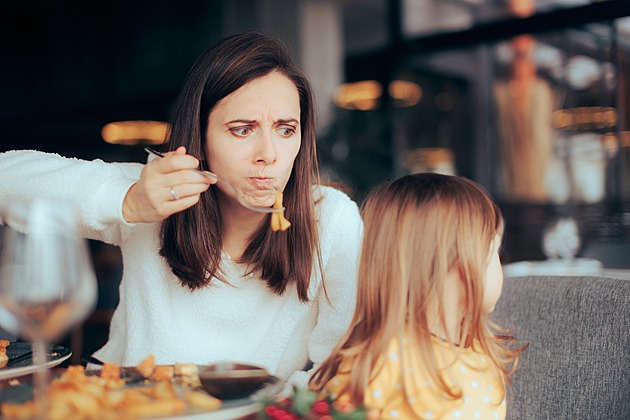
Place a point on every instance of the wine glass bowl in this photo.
(46, 278)
(47, 282)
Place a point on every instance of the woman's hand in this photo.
(166, 186)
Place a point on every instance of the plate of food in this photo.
(16, 358)
(164, 392)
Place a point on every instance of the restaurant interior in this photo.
(529, 98)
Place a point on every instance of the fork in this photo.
(129, 374)
(227, 184)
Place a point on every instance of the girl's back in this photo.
(480, 384)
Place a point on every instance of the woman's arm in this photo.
(106, 194)
(95, 188)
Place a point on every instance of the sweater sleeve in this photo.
(95, 188)
(341, 246)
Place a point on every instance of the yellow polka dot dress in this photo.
(482, 389)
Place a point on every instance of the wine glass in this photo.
(47, 282)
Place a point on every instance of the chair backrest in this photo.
(577, 365)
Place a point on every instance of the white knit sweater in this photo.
(240, 321)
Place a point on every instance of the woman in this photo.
(205, 279)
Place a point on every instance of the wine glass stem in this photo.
(40, 357)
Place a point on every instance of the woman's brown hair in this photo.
(416, 229)
(192, 239)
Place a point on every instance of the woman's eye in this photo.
(241, 131)
(287, 131)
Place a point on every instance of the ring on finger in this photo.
(174, 196)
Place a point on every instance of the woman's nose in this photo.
(266, 150)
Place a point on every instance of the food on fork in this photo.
(278, 221)
(4, 359)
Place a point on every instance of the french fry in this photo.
(110, 374)
(18, 411)
(146, 366)
(163, 390)
(75, 373)
(113, 398)
(162, 373)
(156, 408)
(79, 402)
(187, 374)
(133, 397)
(4, 359)
(75, 395)
(278, 221)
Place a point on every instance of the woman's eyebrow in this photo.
(279, 121)
(287, 121)
(241, 121)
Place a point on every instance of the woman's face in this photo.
(254, 137)
(494, 278)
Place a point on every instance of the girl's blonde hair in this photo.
(417, 228)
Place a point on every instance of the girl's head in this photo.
(429, 270)
(430, 254)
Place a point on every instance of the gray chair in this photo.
(578, 362)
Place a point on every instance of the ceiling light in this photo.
(405, 93)
(585, 118)
(364, 95)
(135, 132)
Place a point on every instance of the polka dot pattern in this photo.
(482, 390)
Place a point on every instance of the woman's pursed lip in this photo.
(262, 182)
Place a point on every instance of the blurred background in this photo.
(530, 98)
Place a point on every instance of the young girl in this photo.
(421, 344)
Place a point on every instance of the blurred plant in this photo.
(562, 239)
(307, 405)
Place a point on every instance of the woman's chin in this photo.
(261, 198)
